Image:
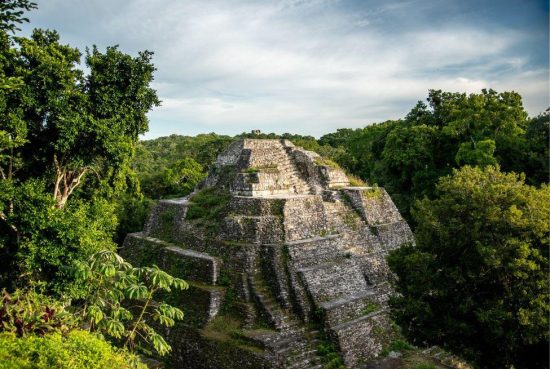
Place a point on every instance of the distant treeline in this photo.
(406, 156)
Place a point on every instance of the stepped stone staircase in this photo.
(296, 258)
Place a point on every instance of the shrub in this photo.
(207, 207)
(28, 312)
(113, 284)
(77, 350)
(50, 239)
(132, 213)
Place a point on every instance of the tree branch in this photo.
(5, 219)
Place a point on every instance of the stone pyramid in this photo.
(283, 256)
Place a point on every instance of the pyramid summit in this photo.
(284, 259)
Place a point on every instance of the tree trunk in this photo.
(66, 182)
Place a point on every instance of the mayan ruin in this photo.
(281, 254)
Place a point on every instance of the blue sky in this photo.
(312, 66)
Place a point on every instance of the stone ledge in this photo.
(348, 308)
(194, 265)
(346, 299)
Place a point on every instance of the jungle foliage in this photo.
(67, 138)
(476, 282)
(409, 155)
(469, 171)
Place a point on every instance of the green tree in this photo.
(78, 124)
(409, 163)
(182, 177)
(477, 280)
(534, 158)
(476, 153)
(178, 179)
(11, 14)
(453, 129)
(64, 134)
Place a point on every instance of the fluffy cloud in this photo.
(297, 65)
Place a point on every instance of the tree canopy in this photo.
(64, 134)
(407, 156)
(476, 282)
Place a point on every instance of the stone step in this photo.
(324, 258)
(332, 280)
(286, 349)
(361, 339)
(317, 267)
(295, 349)
(349, 307)
(276, 341)
(300, 354)
(308, 252)
(305, 362)
(357, 321)
(279, 318)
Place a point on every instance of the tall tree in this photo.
(80, 124)
(58, 125)
(477, 280)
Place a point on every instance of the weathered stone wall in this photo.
(303, 217)
(373, 325)
(294, 244)
(374, 204)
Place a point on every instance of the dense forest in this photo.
(469, 172)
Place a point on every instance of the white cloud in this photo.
(296, 65)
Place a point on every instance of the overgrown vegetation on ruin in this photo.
(207, 207)
(470, 173)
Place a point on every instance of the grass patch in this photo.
(224, 324)
(327, 351)
(228, 329)
(330, 357)
(208, 207)
(373, 193)
(416, 360)
(320, 161)
(351, 220)
(278, 208)
(371, 308)
(399, 345)
(223, 328)
(355, 181)
(269, 168)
